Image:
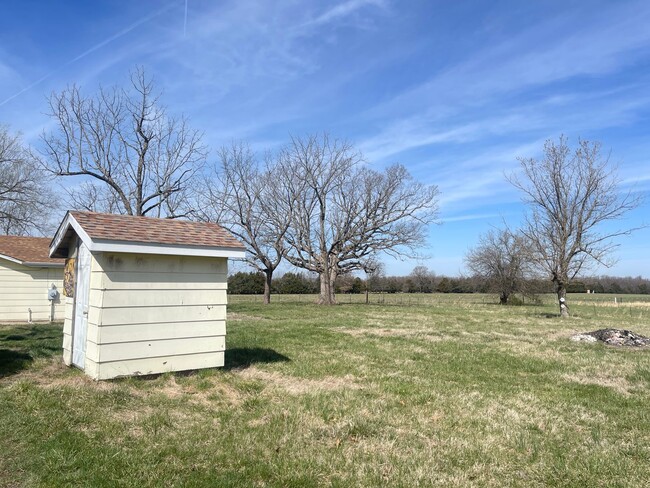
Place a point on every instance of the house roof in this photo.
(28, 251)
(128, 233)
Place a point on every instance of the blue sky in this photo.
(455, 91)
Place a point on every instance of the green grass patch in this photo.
(458, 392)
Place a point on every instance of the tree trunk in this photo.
(268, 277)
(503, 299)
(367, 296)
(561, 298)
(327, 288)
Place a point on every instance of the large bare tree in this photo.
(26, 200)
(135, 158)
(244, 196)
(344, 213)
(570, 193)
(502, 259)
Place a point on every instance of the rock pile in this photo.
(613, 337)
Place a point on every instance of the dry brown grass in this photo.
(236, 317)
(52, 373)
(426, 334)
(617, 383)
(299, 386)
(610, 304)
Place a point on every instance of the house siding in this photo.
(24, 287)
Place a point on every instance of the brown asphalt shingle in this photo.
(28, 249)
(128, 228)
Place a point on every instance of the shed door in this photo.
(81, 294)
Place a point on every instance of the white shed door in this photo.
(81, 294)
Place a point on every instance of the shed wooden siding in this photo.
(151, 314)
(24, 287)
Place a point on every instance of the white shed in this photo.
(143, 295)
(27, 275)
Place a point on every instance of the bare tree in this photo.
(502, 259)
(570, 193)
(374, 270)
(244, 199)
(93, 197)
(137, 160)
(344, 213)
(26, 200)
(422, 279)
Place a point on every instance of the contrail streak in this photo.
(185, 21)
(100, 45)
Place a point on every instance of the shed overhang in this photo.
(31, 264)
(70, 227)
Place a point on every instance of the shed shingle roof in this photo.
(32, 250)
(128, 228)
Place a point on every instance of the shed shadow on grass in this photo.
(243, 357)
(236, 359)
(12, 362)
(22, 343)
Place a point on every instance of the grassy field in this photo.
(453, 391)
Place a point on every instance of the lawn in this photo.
(445, 392)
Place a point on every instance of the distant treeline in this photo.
(252, 283)
(290, 283)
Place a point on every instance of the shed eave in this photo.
(68, 222)
(9, 258)
(42, 265)
(102, 245)
(31, 264)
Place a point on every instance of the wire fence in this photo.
(401, 299)
(457, 299)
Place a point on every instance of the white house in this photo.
(143, 295)
(27, 276)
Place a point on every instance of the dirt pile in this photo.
(613, 337)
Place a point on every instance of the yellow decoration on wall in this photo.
(68, 277)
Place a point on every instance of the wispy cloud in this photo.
(345, 9)
(480, 97)
(464, 218)
(538, 56)
(480, 178)
(7, 73)
(243, 44)
(571, 112)
(87, 52)
(419, 131)
(257, 61)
